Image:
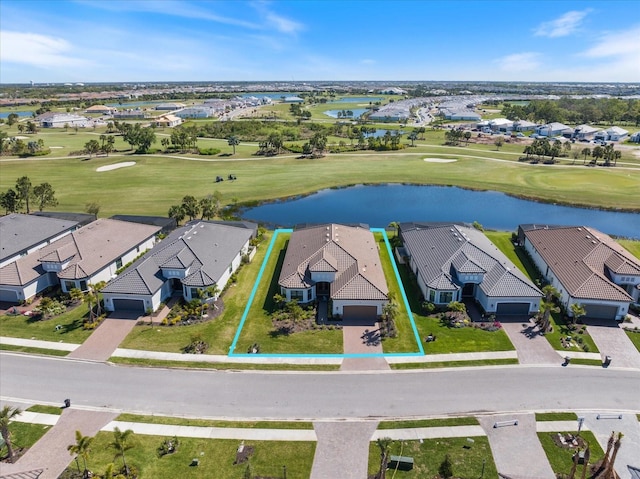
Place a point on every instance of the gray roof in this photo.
(205, 248)
(88, 250)
(439, 250)
(580, 256)
(349, 252)
(20, 232)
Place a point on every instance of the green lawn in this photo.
(27, 349)
(41, 408)
(224, 366)
(634, 336)
(556, 416)
(24, 435)
(440, 422)
(71, 331)
(633, 246)
(179, 421)
(429, 455)
(455, 364)
(561, 458)
(561, 330)
(516, 254)
(258, 327)
(450, 340)
(215, 457)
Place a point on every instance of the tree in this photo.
(467, 136)
(122, 443)
(92, 208)
(92, 147)
(81, 448)
(10, 201)
(498, 142)
(191, 207)
(177, 213)
(32, 127)
(24, 190)
(7, 413)
(547, 306)
(585, 152)
(45, 195)
(577, 311)
(209, 207)
(413, 136)
(3, 141)
(12, 119)
(384, 443)
(233, 141)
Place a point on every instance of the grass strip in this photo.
(440, 422)
(561, 459)
(41, 408)
(30, 350)
(178, 421)
(455, 364)
(556, 416)
(223, 366)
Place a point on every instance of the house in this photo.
(64, 120)
(453, 262)
(130, 114)
(586, 266)
(86, 256)
(200, 111)
(393, 91)
(100, 109)
(524, 125)
(585, 132)
(615, 133)
(553, 129)
(170, 106)
(501, 125)
(167, 121)
(21, 235)
(391, 113)
(166, 225)
(635, 138)
(338, 263)
(192, 258)
(455, 115)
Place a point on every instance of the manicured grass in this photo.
(258, 327)
(560, 459)
(45, 409)
(218, 332)
(128, 190)
(449, 340)
(215, 457)
(224, 366)
(561, 330)
(25, 434)
(556, 416)
(429, 455)
(633, 246)
(178, 421)
(27, 349)
(634, 336)
(455, 364)
(440, 422)
(587, 362)
(25, 327)
(516, 254)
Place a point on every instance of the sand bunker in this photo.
(55, 147)
(21, 137)
(439, 160)
(116, 166)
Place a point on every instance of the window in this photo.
(297, 294)
(231, 268)
(193, 292)
(119, 263)
(446, 297)
(432, 296)
(83, 285)
(69, 285)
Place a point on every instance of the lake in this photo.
(379, 205)
(357, 113)
(21, 114)
(357, 99)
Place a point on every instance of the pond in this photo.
(21, 114)
(357, 99)
(357, 113)
(379, 205)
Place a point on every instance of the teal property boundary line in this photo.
(247, 308)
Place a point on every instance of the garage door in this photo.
(512, 309)
(600, 311)
(8, 295)
(128, 305)
(359, 312)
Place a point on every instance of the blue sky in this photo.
(199, 40)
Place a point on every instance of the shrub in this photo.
(168, 446)
(208, 151)
(428, 307)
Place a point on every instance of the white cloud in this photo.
(519, 62)
(367, 61)
(282, 24)
(38, 50)
(563, 25)
(623, 43)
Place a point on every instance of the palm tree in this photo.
(384, 443)
(233, 141)
(81, 448)
(608, 473)
(577, 310)
(122, 443)
(586, 152)
(547, 306)
(6, 415)
(413, 136)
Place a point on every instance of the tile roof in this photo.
(205, 248)
(19, 232)
(580, 256)
(351, 252)
(89, 249)
(440, 250)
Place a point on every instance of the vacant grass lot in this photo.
(25, 327)
(560, 459)
(429, 455)
(216, 458)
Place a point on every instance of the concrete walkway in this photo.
(50, 452)
(629, 453)
(106, 338)
(613, 341)
(510, 444)
(532, 347)
(342, 450)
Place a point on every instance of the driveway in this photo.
(532, 347)
(613, 341)
(629, 453)
(106, 338)
(342, 450)
(50, 452)
(361, 336)
(510, 443)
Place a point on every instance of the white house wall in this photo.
(339, 304)
(490, 303)
(150, 301)
(623, 308)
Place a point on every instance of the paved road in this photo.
(319, 395)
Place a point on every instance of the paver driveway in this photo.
(106, 338)
(532, 347)
(613, 341)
